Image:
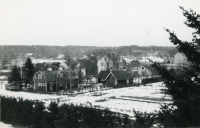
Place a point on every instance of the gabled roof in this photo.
(135, 63)
(150, 68)
(119, 75)
(180, 53)
(103, 74)
(50, 76)
(113, 58)
(87, 63)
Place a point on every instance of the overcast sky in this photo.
(93, 22)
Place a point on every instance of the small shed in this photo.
(115, 77)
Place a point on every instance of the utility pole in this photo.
(21, 71)
(70, 75)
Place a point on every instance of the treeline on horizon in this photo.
(45, 51)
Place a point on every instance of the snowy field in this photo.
(143, 98)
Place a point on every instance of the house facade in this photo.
(147, 71)
(180, 59)
(50, 81)
(79, 66)
(169, 60)
(17, 62)
(114, 77)
(104, 63)
(124, 61)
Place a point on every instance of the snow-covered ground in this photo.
(124, 100)
(3, 125)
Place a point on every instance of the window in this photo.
(61, 74)
(39, 76)
(39, 84)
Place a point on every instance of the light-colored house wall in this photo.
(17, 62)
(143, 71)
(103, 63)
(180, 58)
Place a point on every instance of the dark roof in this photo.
(87, 63)
(50, 76)
(150, 68)
(40, 64)
(113, 58)
(135, 63)
(119, 75)
(91, 67)
(103, 74)
(56, 63)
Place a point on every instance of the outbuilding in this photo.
(114, 77)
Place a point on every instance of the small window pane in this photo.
(39, 76)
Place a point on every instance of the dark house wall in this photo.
(37, 81)
(111, 80)
(61, 81)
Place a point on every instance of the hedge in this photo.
(34, 114)
(151, 80)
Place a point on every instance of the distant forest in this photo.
(44, 51)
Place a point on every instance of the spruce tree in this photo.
(80, 77)
(15, 77)
(28, 72)
(184, 86)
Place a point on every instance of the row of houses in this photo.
(55, 75)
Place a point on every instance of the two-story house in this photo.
(180, 59)
(104, 63)
(50, 81)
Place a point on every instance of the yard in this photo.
(141, 98)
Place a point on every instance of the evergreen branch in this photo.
(193, 19)
(187, 48)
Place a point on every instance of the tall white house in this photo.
(180, 59)
(104, 63)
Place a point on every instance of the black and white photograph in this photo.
(99, 64)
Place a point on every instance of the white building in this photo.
(35, 61)
(180, 59)
(104, 63)
(60, 56)
(17, 62)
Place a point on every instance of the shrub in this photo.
(151, 80)
(143, 119)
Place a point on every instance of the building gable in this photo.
(39, 75)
